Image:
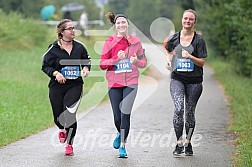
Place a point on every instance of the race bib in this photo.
(185, 65)
(123, 66)
(71, 72)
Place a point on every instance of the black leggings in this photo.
(122, 100)
(191, 93)
(65, 100)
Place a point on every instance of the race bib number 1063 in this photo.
(185, 65)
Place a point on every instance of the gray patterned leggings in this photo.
(188, 95)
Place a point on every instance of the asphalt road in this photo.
(151, 140)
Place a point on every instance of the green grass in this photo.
(19, 33)
(24, 102)
(24, 105)
(239, 91)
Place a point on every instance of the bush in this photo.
(19, 33)
(230, 31)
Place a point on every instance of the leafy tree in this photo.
(31, 8)
(241, 49)
(116, 6)
(227, 27)
(187, 4)
(26, 7)
(142, 13)
(167, 8)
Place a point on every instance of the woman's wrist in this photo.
(189, 56)
(55, 73)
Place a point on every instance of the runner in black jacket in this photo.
(65, 62)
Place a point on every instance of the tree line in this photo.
(31, 8)
(226, 24)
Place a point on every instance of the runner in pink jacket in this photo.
(122, 55)
(132, 47)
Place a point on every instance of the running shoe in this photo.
(69, 150)
(122, 153)
(188, 149)
(117, 141)
(178, 150)
(62, 136)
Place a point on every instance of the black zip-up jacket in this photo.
(55, 59)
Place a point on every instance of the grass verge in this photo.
(239, 91)
(24, 101)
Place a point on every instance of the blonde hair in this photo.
(193, 12)
(60, 28)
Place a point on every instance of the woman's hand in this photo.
(121, 54)
(185, 54)
(169, 56)
(168, 66)
(85, 72)
(133, 59)
(59, 77)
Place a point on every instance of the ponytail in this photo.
(110, 17)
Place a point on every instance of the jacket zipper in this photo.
(126, 72)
